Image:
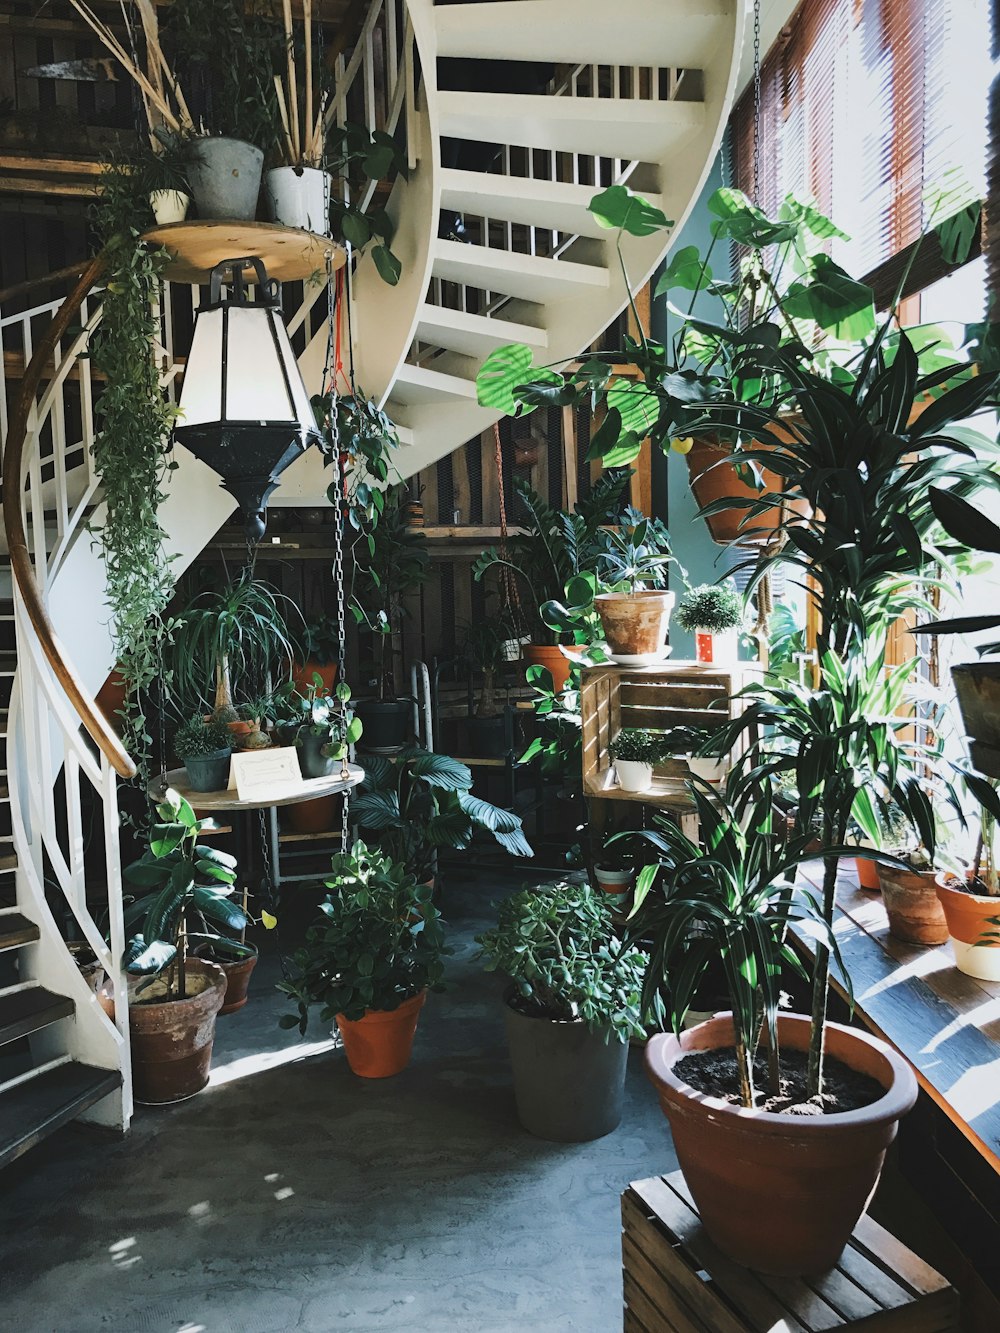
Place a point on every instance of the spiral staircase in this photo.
(633, 93)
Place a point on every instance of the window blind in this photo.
(876, 110)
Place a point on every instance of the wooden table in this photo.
(228, 802)
(289, 253)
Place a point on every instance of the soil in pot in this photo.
(911, 904)
(971, 919)
(380, 1044)
(635, 624)
(568, 1081)
(810, 1176)
(844, 1088)
(172, 1039)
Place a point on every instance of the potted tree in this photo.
(370, 961)
(204, 746)
(713, 613)
(635, 609)
(733, 898)
(571, 1006)
(416, 802)
(174, 1003)
(635, 753)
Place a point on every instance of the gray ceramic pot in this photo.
(313, 763)
(224, 176)
(568, 1082)
(208, 772)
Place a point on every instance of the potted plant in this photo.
(733, 899)
(322, 728)
(299, 190)
(700, 748)
(910, 896)
(971, 901)
(614, 870)
(484, 649)
(391, 565)
(204, 746)
(416, 802)
(570, 1008)
(317, 652)
(713, 613)
(172, 1010)
(635, 753)
(370, 961)
(554, 548)
(635, 611)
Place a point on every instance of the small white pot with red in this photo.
(716, 649)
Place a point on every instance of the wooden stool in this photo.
(676, 1281)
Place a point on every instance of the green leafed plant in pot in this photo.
(635, 610)
(186, 887)
(484, 650)
(713, 613)
(317, 650)
(370, 961)
(204, 746)
(751, 1139)
(416, 803)
(572, 1004)
(971, 901)
(635, 753)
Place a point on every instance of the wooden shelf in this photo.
(288, 253)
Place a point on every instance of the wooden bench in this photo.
(676, 1281)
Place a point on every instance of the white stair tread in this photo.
(417, 384)
(526, 276)
(608, 127)
(473, 335)
(683, 34)
(554, 205)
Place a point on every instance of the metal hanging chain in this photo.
(756, 102)
(508, 583)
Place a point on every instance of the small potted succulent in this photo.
(713, 613)
(204, 746)
(370, 961)
(185, 900)
(571, 1006)
(635, 752)
(635, 609)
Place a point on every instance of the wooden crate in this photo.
(656, 698)
(676, 1281)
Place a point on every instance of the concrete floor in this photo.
(292, 1195)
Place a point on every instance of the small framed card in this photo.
(265, 775)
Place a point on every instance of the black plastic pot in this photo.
(977, 685)
(569, 1082)
(488, 737)
(312, 762)
(208, 772)
(386, 724)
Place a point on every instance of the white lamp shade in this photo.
(241, 368)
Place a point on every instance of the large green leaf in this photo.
(964, 522)
(504, 826)
(151, 958)
(741, 221)
(957, 234)
(833, 300)
(165, 838)
(618, 209)
(686, 269)
(440, 770)
(636, 404)
(500, 374)
(377, 809)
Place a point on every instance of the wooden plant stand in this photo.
(676, 1281)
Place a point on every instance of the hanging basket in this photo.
(714, 478)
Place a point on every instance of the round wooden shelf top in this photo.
(289, 253)
(228, 801)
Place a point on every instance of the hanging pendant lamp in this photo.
(244, 409)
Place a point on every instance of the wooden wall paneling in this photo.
(462, 574)
(461, 488)
(569, 454)
(491, 485)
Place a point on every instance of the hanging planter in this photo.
(224, 176)
(299, 197)
(715, 478)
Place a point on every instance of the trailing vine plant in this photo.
(132, 448)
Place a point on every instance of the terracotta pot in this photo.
(240, 732)
(315, 816)
(237, 983)
(635, 624)
(911, 903)
(712, 479)
(379, 1045)
(172, 1041)
(777, 1193)
(977, 685)
(303, 672)
(970, 921)
(551, 656)
(110, 698)
(867, 874)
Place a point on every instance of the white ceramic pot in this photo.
(633, 776)
(716, 649)
(299, 197)
(169, 206)
(709, 770)
(613, 881)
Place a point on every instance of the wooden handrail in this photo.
(20, 560)
(47, 279)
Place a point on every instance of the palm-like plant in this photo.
(733, 897)
(415, 802)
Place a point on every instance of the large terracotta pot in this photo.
(971, 923)
(977, 685)
(303, 672)
(777, 1193)
(911, 903)
(712, 479)
(315, 816)
(635, 624)
(237, 983)
(110, 698)
(172, 1041)
(379, 1044)
(552, 656)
